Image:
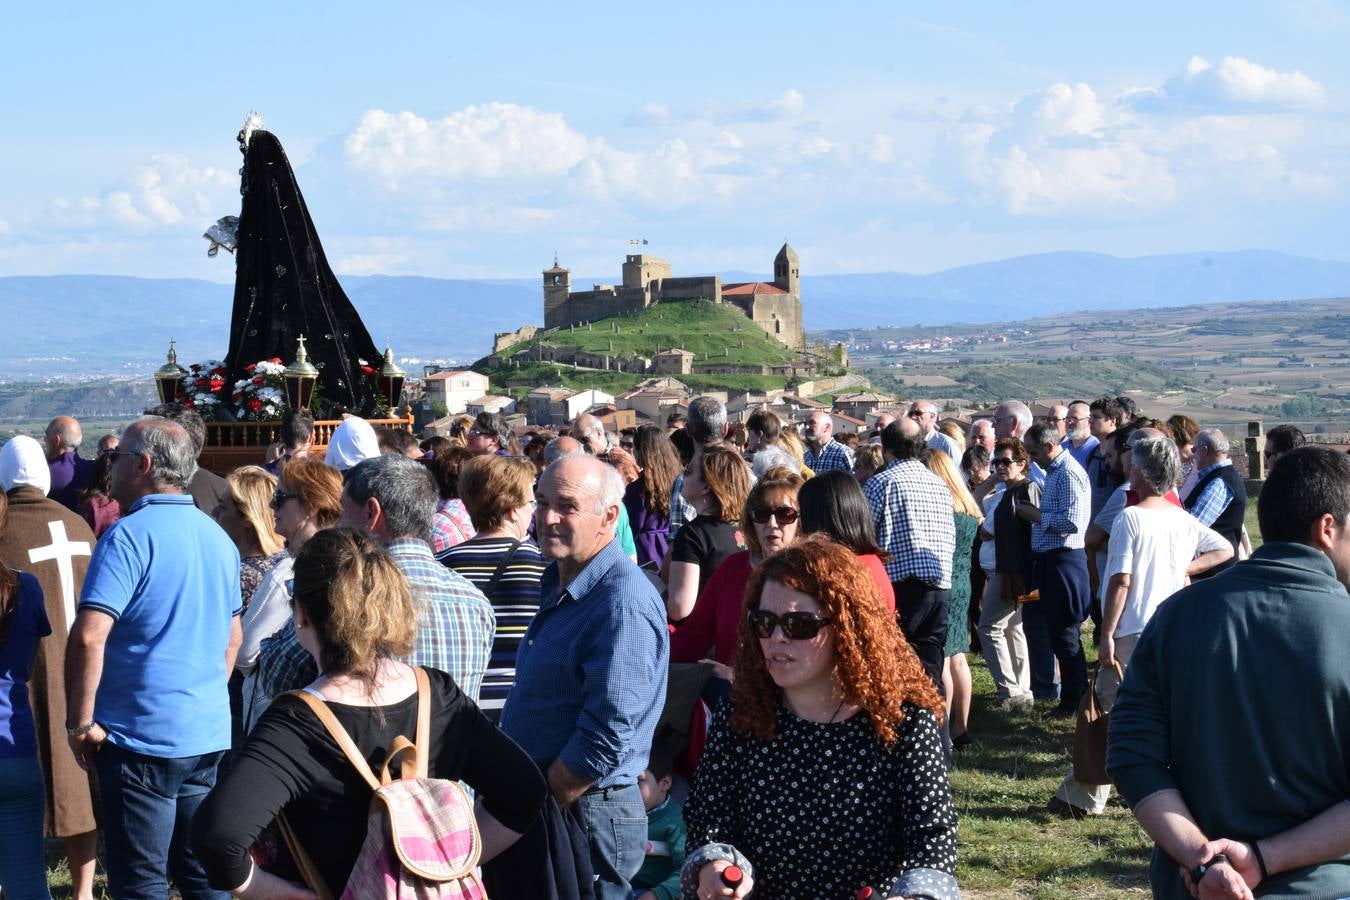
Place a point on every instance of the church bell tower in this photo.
(557, 288)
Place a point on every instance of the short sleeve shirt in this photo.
(169, 577)
(706, 543)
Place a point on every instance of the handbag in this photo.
(1089, 735)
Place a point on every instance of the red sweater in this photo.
(715, 622)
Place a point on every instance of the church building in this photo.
(775, 306)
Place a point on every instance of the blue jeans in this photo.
(148, 805)
(616, 827)
(23, 869)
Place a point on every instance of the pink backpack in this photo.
(422, 840)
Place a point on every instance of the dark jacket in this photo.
(1238, 695)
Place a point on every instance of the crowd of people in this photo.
(694, 661)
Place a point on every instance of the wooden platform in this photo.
(230, 445)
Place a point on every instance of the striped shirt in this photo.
(514, 599)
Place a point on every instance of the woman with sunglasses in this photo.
(1002, 639)
(355, 616)
(824, 772)
(769, 522)
(716, 483)
(307, 499)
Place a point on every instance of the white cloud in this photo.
(881, 148)
(649, 114)
(1235, 84)
(814, 148)
(166, 192)
(788, 105)
(495, 140)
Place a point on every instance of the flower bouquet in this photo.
(202, 386)
(261, 395)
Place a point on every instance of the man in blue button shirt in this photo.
(591, 671)
(154, 639)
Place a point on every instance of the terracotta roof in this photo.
(751, 287)
(850, 419)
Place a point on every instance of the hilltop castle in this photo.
(775, 306)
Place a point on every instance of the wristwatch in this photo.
(1199, 871)
(82, 730)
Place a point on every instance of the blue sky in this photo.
(451, 140)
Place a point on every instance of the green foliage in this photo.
(439, 409)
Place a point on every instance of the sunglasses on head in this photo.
(785, 515)
(280, 497)
(797, 626)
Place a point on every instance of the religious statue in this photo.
(283, 285)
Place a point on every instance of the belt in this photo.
(608, 792)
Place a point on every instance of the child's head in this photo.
(654, 783)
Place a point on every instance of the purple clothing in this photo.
(70, 475)
(27, 624)
(651, 530)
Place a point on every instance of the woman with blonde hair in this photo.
(790, 441)
(824, 773)
(955, 671)
(243, 512)
(355, 615)
(716, 483)
(867, 461)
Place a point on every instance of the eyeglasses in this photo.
(478, 432)
(114, 453)
(785, 515)
(797, 626)
(280, 497)
(1002, 461)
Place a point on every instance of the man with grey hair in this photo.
(1056, 417)
(393, 499)
(563, 447)
(1155, 548)
(982, 434)
(1012, 418)
(823, 452)
(70, 472)
(925, 412)
(1219, 498)
(591, 671)
(590, 431)
(148, 660)
(206, 487)
(1078, 437)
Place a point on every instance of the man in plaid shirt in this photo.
(393, 498)
(916, 526)
(1058, 528)
(823, 452)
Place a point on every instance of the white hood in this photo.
(352, 441)
(23, 463)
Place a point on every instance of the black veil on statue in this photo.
(284, 287)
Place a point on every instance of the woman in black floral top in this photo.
(825, 772)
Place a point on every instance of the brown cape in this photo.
(32, 517)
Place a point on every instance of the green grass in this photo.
(698, 326)
(1010, 846)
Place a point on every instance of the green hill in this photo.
(714, 333)
(699, 326)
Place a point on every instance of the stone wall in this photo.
(699, 287)
(503, 339)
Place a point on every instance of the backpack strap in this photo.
(308, 870)
(423, 721)
(501, 569)
(340, 736)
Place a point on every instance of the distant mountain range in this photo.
(80, 324)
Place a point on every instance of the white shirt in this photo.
(987, 556)
(1154, 546)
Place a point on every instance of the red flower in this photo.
(275, 359)
(250, 367)
(259, 380)
(216, 384)
(219, 370)
(369, 370)
(187, 403)
(254, 404)
(202, 384)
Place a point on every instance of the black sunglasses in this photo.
(280, 497)
(797, 626)
(1003, 461)
(785, 515)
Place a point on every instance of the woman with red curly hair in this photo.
(824, 773)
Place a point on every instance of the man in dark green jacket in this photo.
(1230, 738)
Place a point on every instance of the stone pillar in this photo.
(1256, 450)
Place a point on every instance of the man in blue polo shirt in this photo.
(147, 662)
(591, 672)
